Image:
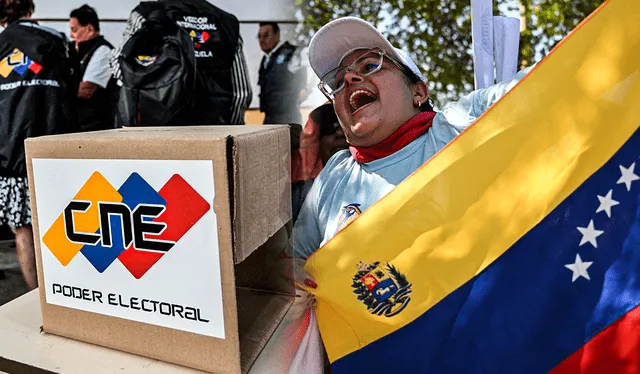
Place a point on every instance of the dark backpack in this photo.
(158, 74)
(215, 35)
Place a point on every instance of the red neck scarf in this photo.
(405, 134)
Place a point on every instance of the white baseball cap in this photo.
(335, 40)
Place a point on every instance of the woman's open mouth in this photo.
(361, 98)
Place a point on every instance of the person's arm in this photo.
(465, 111)
(457, 116)
(306, 232)
(87, 89)
(242, 93)
(97, 74)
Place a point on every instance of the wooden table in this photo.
(24, 349)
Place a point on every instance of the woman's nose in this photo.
(352, 77)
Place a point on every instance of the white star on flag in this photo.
(589, 234)
(579, 269)
(606, 202)
(628, 176)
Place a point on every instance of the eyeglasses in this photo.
(333, 81)
(265, 35)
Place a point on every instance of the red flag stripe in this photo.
(614, 350)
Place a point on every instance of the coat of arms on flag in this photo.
(383, 290)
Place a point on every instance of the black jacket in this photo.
(280, 88)
(215, 36)
(96, 112)
(38, 86)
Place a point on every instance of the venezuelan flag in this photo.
(516, 249)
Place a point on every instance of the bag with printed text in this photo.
(158, 74)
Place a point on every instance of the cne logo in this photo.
(18, 62)
(134, 224)
(199, 38)
(146, 60)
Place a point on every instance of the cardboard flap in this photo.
(269, 268)
(262, 183)
(259, 315)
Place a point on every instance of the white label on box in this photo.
(134, 239)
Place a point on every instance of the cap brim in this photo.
(335, 39)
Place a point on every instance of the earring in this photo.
(416, 103)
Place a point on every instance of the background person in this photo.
(37, 98)
(381, 101)
(95, 103)
(282, 77)
(320, 139)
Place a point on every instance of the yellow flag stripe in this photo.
(464, 208)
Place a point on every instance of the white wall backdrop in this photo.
(249, 12)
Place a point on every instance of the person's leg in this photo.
(26, 255)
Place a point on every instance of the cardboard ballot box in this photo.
(164, 242)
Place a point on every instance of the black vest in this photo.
(96, 112)
(279, 88)
(38, 88)
(215, 35)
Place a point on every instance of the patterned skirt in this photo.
(15, 204)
